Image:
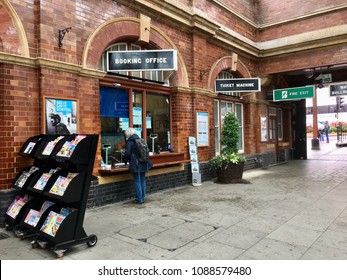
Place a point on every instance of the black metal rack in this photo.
(70, 159)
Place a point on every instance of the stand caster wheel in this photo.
(17, 233)
(8, 227)
(59, 253)
(43, 244)
(93, 241)
(34, 244)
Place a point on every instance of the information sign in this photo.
(293, 93)
(238, 85)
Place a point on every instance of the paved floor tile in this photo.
(270, 249)
(296, 235)
(324, 253)
(239, 237)
(210, 251)
(180, 235)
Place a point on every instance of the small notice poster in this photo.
(202, 128)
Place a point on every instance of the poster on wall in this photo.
(202, 128)
(137, 116)
(263, 128)
(60, 116)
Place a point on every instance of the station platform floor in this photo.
(292, 211)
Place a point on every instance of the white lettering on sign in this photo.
(127, 61)
(246, 85)
(156, 60)
(227, 85)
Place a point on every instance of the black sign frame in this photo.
(149, 60)
(237, 85)
(338, 89)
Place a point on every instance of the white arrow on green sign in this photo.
(293, 93)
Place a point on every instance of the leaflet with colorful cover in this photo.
(34, 216)
(54, 220)
(69, 146)
(29, 147)
(61, 184)
(50, 146)
(17, 205)
(24, 176)
(42, 181)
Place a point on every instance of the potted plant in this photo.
(229, 164)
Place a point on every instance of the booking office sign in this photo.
(164, 60)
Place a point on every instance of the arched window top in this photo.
(225, 75)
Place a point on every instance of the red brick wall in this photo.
(20, 110)
(86, 90)
(272, 11)
(9, 42)
(303, 60)
(185, 107)
(21, 103)
(300, 26)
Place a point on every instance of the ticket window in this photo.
(137, 96)
(114, 116)
(150, 117)
(158, 122)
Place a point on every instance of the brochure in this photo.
(41, 183)
(50, 146)
(34, 216)
(54, 220)
(69, 146)
(24, 176)
(61, 184)
(17, 205)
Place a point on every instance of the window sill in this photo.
(161, 160)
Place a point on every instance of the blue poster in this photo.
(114, 102)
(63, 106)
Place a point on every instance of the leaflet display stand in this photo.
(55, 190)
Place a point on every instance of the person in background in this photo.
(321, 131)
(327, 130)
(137, 168)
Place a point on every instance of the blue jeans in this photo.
(140, 186)
(327, 136)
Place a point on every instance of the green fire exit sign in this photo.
(293, 93)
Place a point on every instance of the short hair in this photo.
(130, 131)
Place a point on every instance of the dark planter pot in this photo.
(232, 174)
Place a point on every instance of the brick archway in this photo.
(18, 41)
(223, 63)
(110, 31)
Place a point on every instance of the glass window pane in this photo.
(280, 125)
(239, 115)
(137, 112)
(216, 127)
(158, 122)
(114, 116)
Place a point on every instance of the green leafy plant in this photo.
(229, 140)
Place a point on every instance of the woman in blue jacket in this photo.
(137, 168)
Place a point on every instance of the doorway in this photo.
(299, 129)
